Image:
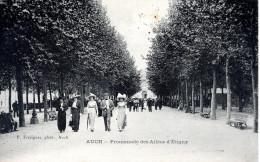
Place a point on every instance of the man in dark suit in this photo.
(156, 104)
(107, 107)
(136, 104)
(75, 113)
(130, 103)
(149, 104)
(15, 108)
(160, 103)
(141, 103)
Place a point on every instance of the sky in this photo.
(134, 20)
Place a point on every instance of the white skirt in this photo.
(91, 110)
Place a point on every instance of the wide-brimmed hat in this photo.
(75, 96)
(121, 96)
(91, 95)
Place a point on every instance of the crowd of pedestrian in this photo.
(98, 107)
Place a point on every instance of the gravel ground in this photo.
(166, 135)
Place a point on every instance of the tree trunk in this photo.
(27, 98)
(222, 98)
(10, 95)
(187, 94)
(33, 96)
(62, 85)
(228, 90)
(182, 95)
(20, 96)
(192, 97)
(201, 96)
(88, 89)
(50, 96)
(39, 98)
(178, 98)
(45, 96)
(255, 107)
(82, 98)
(213, 98)
(239, 99)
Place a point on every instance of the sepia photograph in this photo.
(129, 81)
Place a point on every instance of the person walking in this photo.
(136, 103)
(128, 104)
(121, 117)
(11, 120)
(15, 108)
(160, 103)
(75, 113)
(149, 104)
(61, 107)
(107, 107)
(92, 110)
(141, 104)
(131, 103)
(155, 104)
(99, 108)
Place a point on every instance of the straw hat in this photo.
(121, 96)
(91, 95)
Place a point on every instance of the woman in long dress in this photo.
(75, 113)
(92, 109)
(121, 117)
(61, 108)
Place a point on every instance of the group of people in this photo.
(106, 105)
(7, 123)
(156, 103)
(96, 107)
(136, 103)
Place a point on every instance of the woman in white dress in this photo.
(121, 117)
(92, 111)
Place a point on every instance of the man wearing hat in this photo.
(149, 104)
(15, 108)
(136, 104)
(75, 113)
(107, 107)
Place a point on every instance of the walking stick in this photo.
(87, 120)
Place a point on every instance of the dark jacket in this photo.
(149, 103)
(159, 103)
(103, 104)
(77, 109)
(65, 107)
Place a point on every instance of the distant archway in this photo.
(144, 95)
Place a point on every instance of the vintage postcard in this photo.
(129, 80)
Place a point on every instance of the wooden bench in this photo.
(249, 108)
(206, 114)
(52, 115)
(238, 121)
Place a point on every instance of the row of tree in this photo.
(206, 44)
(66, 46)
